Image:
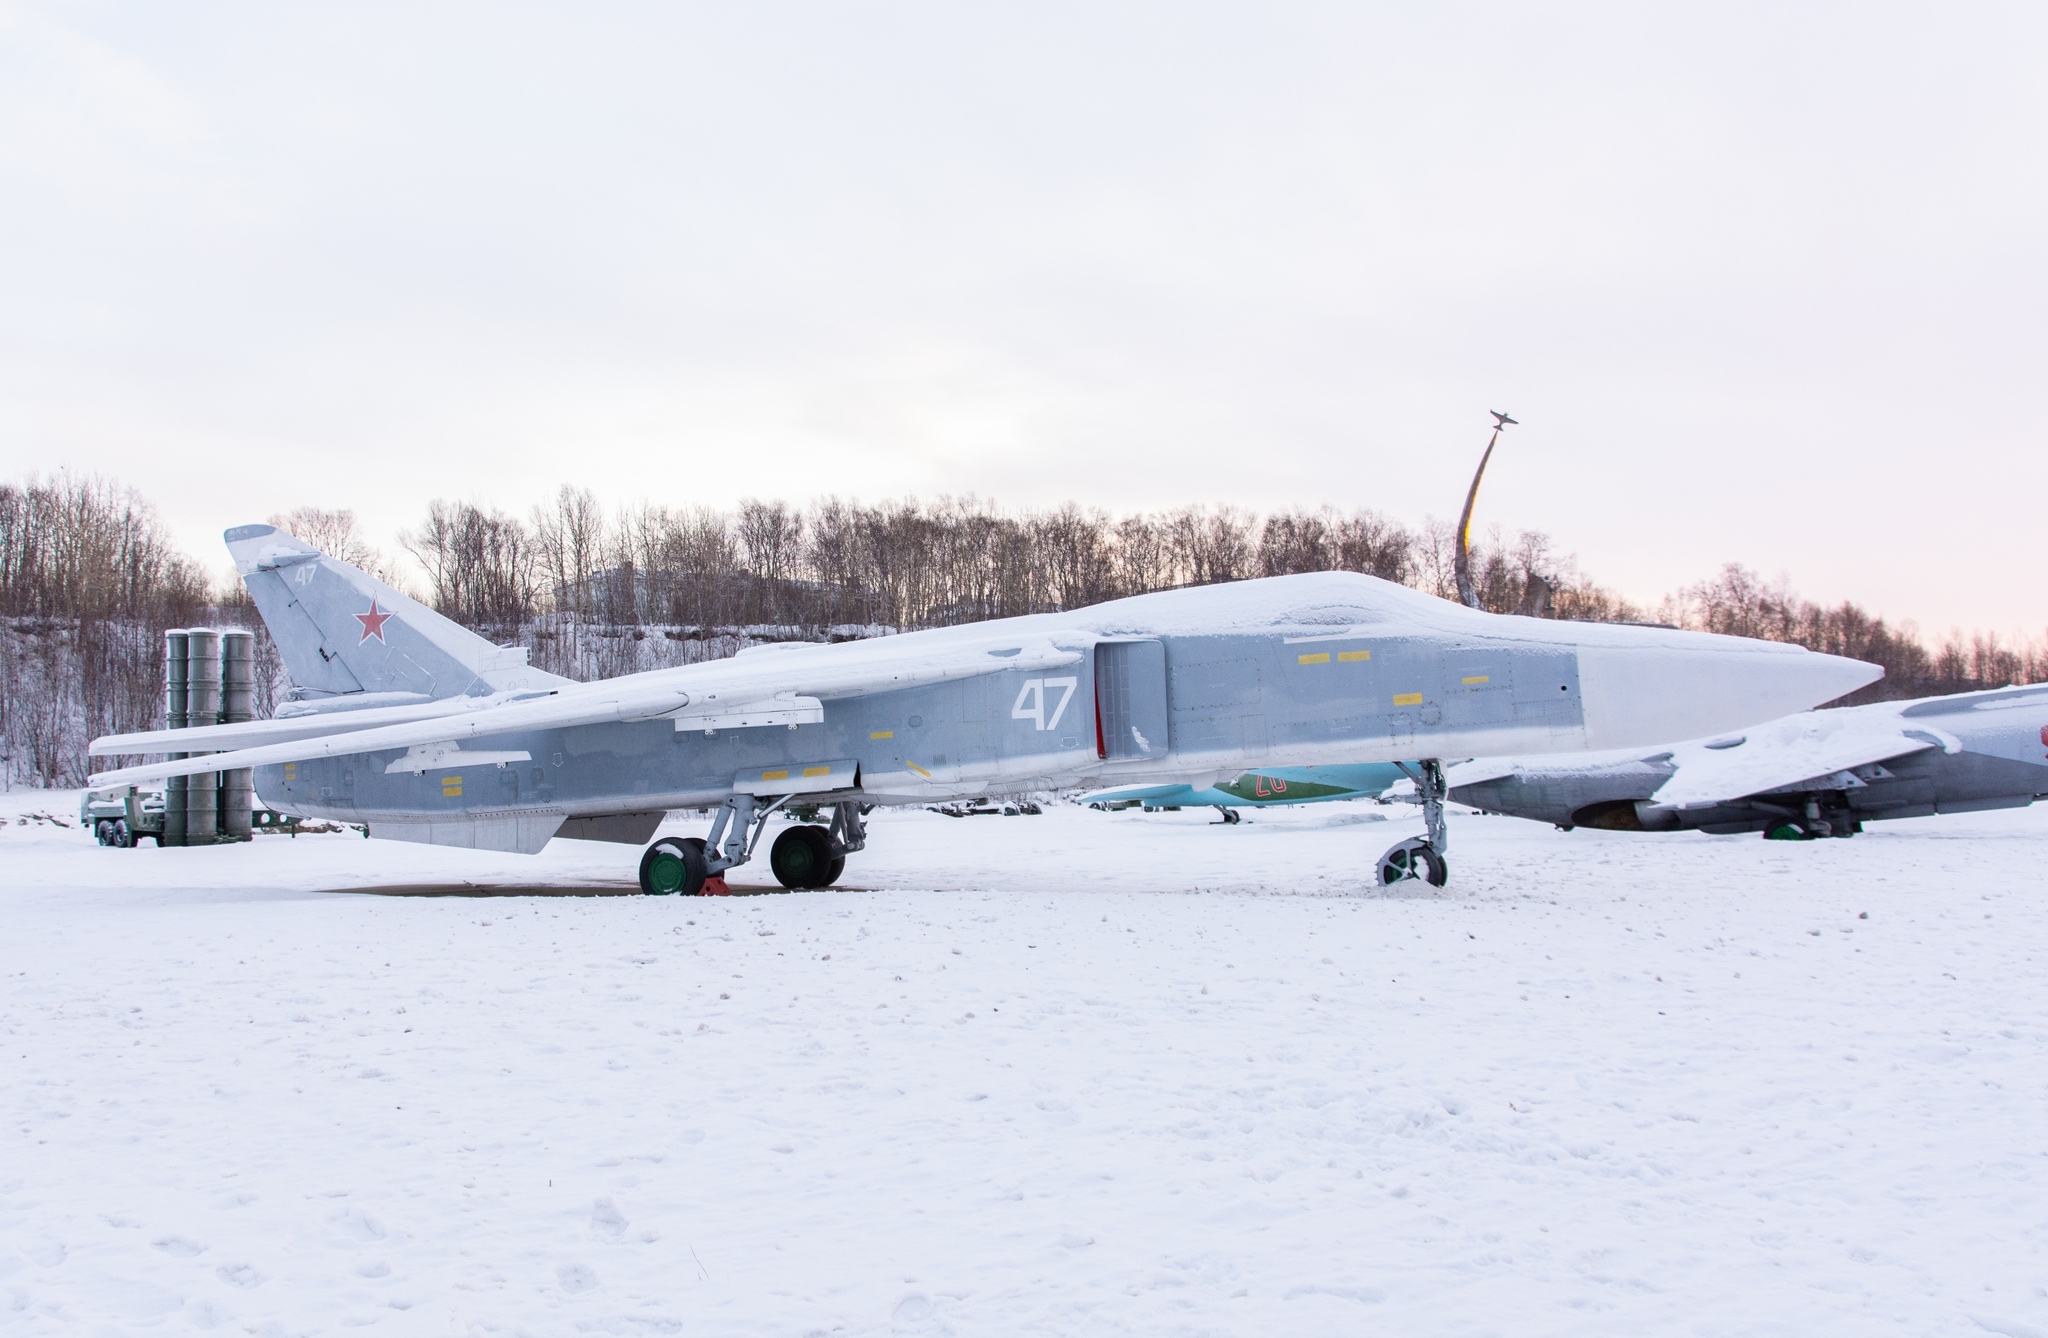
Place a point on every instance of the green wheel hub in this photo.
(666, 872)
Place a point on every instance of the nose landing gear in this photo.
(1422, 856)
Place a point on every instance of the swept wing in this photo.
(285, 729)
(727, 693)
(1801, 748)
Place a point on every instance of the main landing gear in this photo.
(1422, 856)
(804, 856)
(1813, 824)
(1229, 816)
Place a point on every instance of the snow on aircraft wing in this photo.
(846, 670)
(1472, 772)
(1773, 758)
(284, 729)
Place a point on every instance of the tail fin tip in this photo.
(255, 547)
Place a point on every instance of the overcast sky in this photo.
(1763, 283)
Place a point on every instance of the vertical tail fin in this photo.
(342, 632)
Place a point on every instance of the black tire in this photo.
(104, 831)
(673, 868)
(802, 857)
(123, 838)
(833, 870)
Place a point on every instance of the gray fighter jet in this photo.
(1820, 773)
(409, 723)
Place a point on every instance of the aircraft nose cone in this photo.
(1672, 686)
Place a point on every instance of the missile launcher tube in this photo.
(202, 708)
(237, 705)
(176, 644)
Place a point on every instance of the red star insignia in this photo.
(373, 623)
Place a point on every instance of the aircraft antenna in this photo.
(1468, 594)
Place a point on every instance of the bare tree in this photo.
(88, 578)
(481, 564)
(337, 534)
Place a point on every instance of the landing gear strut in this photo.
(1422, 856)
(1229, 816)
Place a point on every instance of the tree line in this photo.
(584, 588)
(89, 580)
(913, 563)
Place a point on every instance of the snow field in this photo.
(1031, 1082)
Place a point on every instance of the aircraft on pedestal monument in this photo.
(403, 720)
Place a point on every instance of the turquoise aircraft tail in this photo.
(1269, 787)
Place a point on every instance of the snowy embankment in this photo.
(1117, 1073)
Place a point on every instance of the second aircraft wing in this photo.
(1785, 753)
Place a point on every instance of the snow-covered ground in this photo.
(1071, 1074)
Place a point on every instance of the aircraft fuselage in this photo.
(1225, 703)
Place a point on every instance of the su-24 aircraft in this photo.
(407, 722)
(1823, 773)
(1263, 787)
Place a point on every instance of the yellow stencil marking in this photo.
(815, 771)
(1408, 699)
(291, 771)
(1320, 657)
(883, 734)
(775, 775)
(451, 786)
(1349, 656)
(1478, 678)
(918, 769)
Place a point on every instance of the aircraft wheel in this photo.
(1414, 858)
(672, 867)
(802, 857)
(833, 870)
